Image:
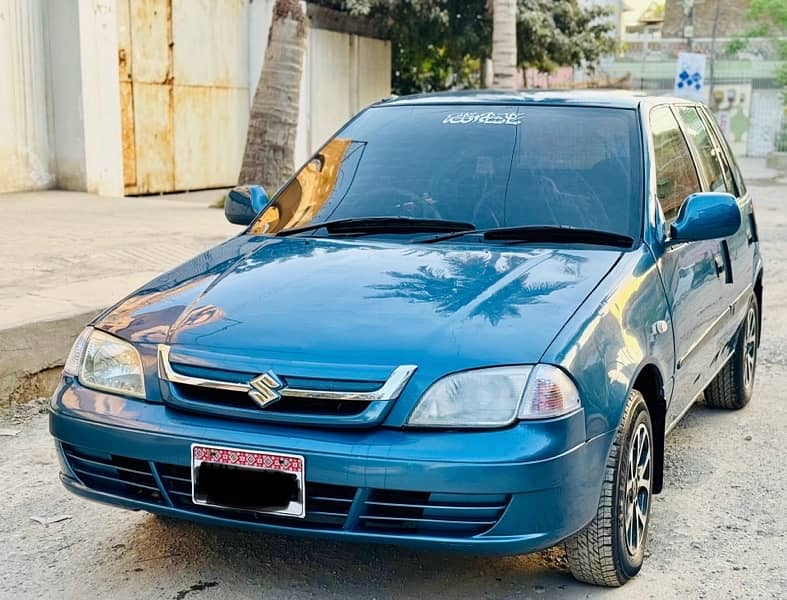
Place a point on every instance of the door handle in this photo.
(751, 230)
(719, 262)
(724, 262)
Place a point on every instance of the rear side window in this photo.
(707, 153)
(726, 155)
(676, 176)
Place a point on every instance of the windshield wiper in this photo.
(559, 234)
(371, 225)
(545, 233)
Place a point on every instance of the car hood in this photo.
(269, 302)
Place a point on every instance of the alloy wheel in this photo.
(750, 348)
(638, 489)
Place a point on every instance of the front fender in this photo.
(611, 337)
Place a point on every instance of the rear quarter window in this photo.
(707, 153)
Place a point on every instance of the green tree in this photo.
(769, 20)
(441, 44)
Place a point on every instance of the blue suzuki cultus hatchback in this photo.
(466, 323)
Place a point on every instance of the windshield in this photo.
(491, 166)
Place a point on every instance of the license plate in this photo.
(262, 482)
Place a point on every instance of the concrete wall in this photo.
(59, 111)
(65, 94)
(767, 114)
(26, 160)
(98, 44)
(359, 69)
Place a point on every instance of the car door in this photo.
(692, 272)
(737, 251)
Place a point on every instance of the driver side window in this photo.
(676, 175)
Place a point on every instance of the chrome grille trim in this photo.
(390, 390)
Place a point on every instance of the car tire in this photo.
(610, 550)
(732, 387)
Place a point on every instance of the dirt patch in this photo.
(20, 413)
(32, 386)
(197, 587)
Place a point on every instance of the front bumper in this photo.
(510, 491)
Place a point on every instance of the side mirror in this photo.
(706, 216)
(244, 203)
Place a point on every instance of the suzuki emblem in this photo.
(265, 389)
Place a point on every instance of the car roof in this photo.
(606, 98)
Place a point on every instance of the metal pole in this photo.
(688, 11)
(645, 49)
(713, 53)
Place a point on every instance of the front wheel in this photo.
(610, 550)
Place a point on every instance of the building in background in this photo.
(625, 14)
(149, 96)
(696, 18)
(742, 90)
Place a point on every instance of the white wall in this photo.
(59, 109)
(259, 23)
(345, 73)
(65, 94)
(25, 141)
(767, 112)
(59, 123)
(98, 43)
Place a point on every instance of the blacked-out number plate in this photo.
(258, 481)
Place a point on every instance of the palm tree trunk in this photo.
(504, 43)
(273, 120)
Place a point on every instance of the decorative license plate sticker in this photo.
(263, 482)
(483, 118)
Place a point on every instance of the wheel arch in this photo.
(650, 383)
(617, 341)
(758, 295)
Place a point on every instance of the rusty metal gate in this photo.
(183, 67)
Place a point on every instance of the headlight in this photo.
(104, 362)
(496, 397)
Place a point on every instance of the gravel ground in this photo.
(718, 529)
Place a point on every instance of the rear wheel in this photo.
(732, 387)
(610, 550)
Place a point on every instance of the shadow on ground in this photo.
(244, 562)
